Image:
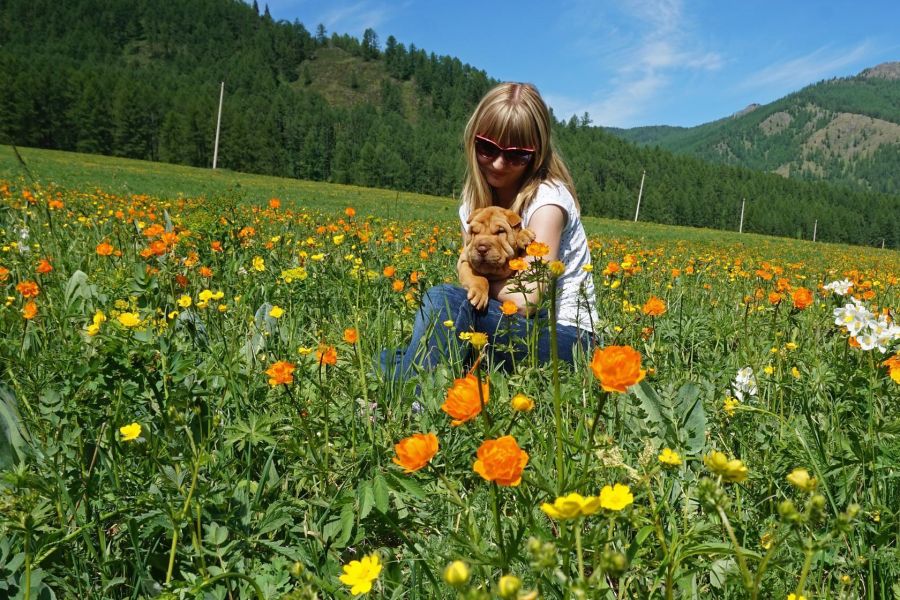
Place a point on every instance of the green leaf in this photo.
(78, 291)
(691, 418)
(380, 490)
(348, 515)
(638, 541)
(12, 436)
(366, 499)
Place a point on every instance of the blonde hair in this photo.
(513, 114)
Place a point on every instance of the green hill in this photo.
(844, 131)
(140, 79)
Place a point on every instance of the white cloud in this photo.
(355, 18)
(636, 50)
(796, 72)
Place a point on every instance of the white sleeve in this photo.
(553, 194)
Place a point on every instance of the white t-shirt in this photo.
(576, 300)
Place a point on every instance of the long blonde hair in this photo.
(513, 114)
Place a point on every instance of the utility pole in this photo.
(741, 226)
(815, 226)
(640, 193)
(218, 126)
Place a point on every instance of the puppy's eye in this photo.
(498, 230)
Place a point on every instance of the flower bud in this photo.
(509, 586)
(457, 574)
(297, 569)
(522, 403)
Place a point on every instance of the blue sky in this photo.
(629, 62)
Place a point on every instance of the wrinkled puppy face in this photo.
(491, 240)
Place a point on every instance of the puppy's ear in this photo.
(512, 218)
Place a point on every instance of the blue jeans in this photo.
(509, 337)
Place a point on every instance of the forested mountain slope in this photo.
(845, 131)
(140, 78)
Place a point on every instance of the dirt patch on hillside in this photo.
(776, 123)
(850, 136)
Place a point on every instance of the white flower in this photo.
(854, 316)
(744, 383)
(841, 288)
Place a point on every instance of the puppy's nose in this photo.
(482, 248)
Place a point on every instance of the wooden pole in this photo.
(218, 126)
(815, 227)
(640, 193)
(741, 226)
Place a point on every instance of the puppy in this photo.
(495, 235)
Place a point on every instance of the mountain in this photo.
(141, 79)
(843, 130)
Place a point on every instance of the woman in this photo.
(511, 163)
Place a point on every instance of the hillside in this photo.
(140, 79)
(844, 131)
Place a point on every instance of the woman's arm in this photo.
(547, 223)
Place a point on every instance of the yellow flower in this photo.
(93, 330)
(615, 497)
(509, 586)
(359, 574)
(557, 268)
(587, 268)
(768, 369)
(796, 597)
(259, 264)
(99, 318)
(185, 301)
(669, 457)
(790, 346)
(449, 323)
(731, 470)
(571, 506)
(522, 403)
(318, 257)
(130, 432)
(205, 296)
(457, 573)
(222, 308)
(615, 284)
(477, 339)
(303, 350)
(276, 312)
(795, 373)
(338, 240)
(800, 479)
(730, 405)
(129, 319)
(766, 540)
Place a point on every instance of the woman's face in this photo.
(502, 170)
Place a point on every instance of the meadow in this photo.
(191, 405)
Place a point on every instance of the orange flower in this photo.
(509, 308)
(350, 211)
(518, 264)
(389, 271)
(501, 461)
(775, 298)
(416, 451)
(205, 272)
(351, 336)
(28, 289)
(274, 203)
(4, 273)
(326, 355)
(398, 285)
(29, 311)
(893, 365)
(617, 367)
(280, 372)
(537, 249)
(654, 307)
(802, 298)
(216, 246)
(104, 249)
(463, 403)
(44, 266)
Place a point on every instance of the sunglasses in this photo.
(489, 149)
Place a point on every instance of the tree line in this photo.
(140, 79)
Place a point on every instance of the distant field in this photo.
(127, 176)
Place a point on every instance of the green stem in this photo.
(187, 503)
(499, 524)
(557, 398)
(578, 552)
(742, 562)
(805, 571)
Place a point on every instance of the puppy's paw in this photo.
(524, 237)
(477, 293)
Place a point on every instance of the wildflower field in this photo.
(191, 407)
